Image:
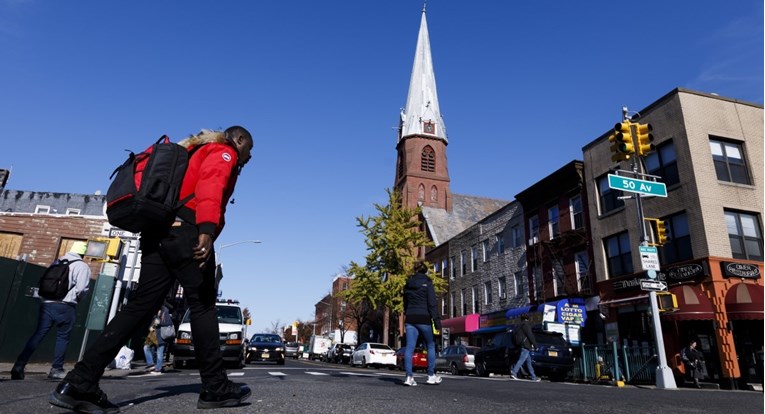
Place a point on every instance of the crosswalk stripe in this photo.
(277, 374)
(316, 373)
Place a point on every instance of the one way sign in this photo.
(653, 285)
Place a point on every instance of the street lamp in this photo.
(218, 265)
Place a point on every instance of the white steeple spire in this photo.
(422, 116)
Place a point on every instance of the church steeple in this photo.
(422, 176)
(422, 115)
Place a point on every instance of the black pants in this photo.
(165, 258)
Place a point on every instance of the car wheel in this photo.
(480, 369)
(454, 370)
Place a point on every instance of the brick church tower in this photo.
(422, 175)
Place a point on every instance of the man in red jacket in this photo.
(183, 252)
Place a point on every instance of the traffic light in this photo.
(661, 238)
(104, 249)
(667, 301)
(622, 145)
(644, 139)
(114, 248)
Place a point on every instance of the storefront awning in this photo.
(461, 324)
(692, 304)
(490, 329)
(744, 301)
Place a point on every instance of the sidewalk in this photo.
(40, 370)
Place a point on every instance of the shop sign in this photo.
(633, 283)
(743, 270)
(570, 313)
(685, 273)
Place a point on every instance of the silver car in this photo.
(457, 359)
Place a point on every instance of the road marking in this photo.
(277, 374)
(316, 373)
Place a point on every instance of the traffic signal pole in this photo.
(664, 375)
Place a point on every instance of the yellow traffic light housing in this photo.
(644, 139)
(667, 302)
(660, 237)
(622, 145)
(104, 249)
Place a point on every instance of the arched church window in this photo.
(428, 160)
(433, 193)
(421, 192)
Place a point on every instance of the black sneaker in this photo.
(17, 372)
(232, 395)
(67, 396)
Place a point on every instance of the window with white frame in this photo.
(517, 233)
(474, 258)
(581, 261)
(577, 216)
(444, 306)
(444, 267)
(729, 161)
(72, 211)
(463, 262)
(745, 235)
(559, 279)
(485, 250)
(502, 288)
(533, 230)
(538, 284)
(553, 226)
(517, 283)
(476, 298)
(463, 298)
(454, 305)
(500, 238)
(486, 293)
(453, 268)
(40, 209)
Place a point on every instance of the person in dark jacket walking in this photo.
(421, 317)
(525, 341)
(693, 360)
(182, 252)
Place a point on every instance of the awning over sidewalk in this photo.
(461, 324)
(745, 301)
(490, 329)
(692, 304)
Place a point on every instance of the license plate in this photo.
(265, 355)
(552, 353)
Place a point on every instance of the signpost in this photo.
(634, 185)
(649, 258)
(653, 285)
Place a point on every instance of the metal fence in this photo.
(608, 363)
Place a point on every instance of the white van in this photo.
(232, 327)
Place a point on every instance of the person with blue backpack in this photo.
(57, 307)
(180, 251)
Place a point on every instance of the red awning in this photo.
(461, 324)
(691, 303)
(744, 301)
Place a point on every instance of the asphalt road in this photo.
(319, 388)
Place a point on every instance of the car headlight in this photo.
(185, 335)
(233, 336)
(253, 348)
(278, 349)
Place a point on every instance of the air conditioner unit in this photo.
(503, 295)
(533, 240)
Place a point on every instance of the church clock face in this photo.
(429, 128)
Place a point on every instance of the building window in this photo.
(474, 258)
(421, 192)
(577, 216)
(745, 235)
(444, 267)
(486, 293)
(433, 193)
(559, 279)
(608, 197)
(454, 305)
(500, 243)
(463, 262)
(463, 298)
(679, 246)
(502, 288)
(619, 254)
(485, 250)
(428, 159)
(538, 284)
(729, 161)
(663, 163)
(437, 267)
(517, 236)
(10, 244)
(582, 264)
(73, 212)
(444, 306)
(476, 298)
(453, 268)
(517, 283)
(533, 230)
(40, 209)
(553, 226)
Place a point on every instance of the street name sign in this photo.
(653, 285)
(633, 185)
(649, 258)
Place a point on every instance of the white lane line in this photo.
(276, 374)
(316, 373)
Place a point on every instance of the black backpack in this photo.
(54, 283)
(519, 338)
(145, 192)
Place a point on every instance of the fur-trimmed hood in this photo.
(204, 136)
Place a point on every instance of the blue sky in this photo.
(523, 86)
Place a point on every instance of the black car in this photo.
(339, 354)
(552, 358)
(266, 347)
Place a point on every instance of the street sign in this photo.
(123, 234)
(649, 258)
(653, 285)
(633, 185)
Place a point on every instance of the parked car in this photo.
(339, 353)
(457, 359)
(266, 347)
(232, 327)
(373, 353)
(552, 358)
(419, 359)
(291, 350)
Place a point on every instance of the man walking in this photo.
(184, 252)
(60, 312)
(525, 341)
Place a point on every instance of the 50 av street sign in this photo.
(633, 185)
